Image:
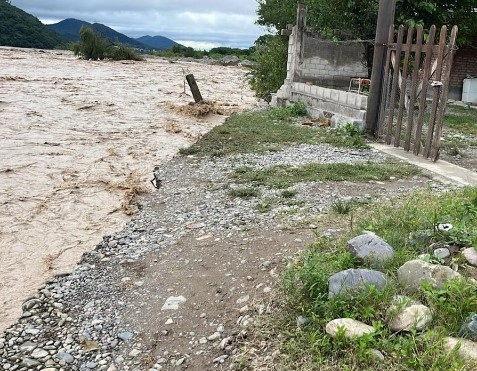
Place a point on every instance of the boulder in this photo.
(355, 280)
(408, 316)
(354, 329)
(371, 249)
(230, 60)
(414, 273)
(467, 349)
(470, 255)
(469, 329)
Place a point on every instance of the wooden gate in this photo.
(413, 71)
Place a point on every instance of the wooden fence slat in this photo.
(413, 48)
(422, 101)
(436, 92)
(414, 84)
(450, 58)
(410, 34)
(384, 93)
(392, 101)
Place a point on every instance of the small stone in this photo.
(133, 353)
(28, 347)
(355, 280)
(173, 302)
(39, 353)
(442, 253)
(302, 321)
(169, 321)
(414, 273)
(214, 336)
(180, 361)
(220, 359)
(371, 249)
(90, 365)
(467, 349)
(470, 254)
(28, 362)
(378, 354)
(411, 317)
(112, 368)
(353, 328)
(469, 328)
(125, 336)
(220, 328)
(243, 299)
(203, 340)
(63, 356)
(225, 342)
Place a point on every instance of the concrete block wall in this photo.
(341, 106)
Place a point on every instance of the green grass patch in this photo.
(461, 119)
(285, 176)
(409, 225)
(244, 193)
(269, 130)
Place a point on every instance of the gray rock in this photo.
(63, 356)
(467, 349)
(469, 328)
(230, 60)
(371, 249)
(353, 328)
(302, 321)
(39, 353)
(378, 354)
(414, 273)
(125, 336)
(28, 362)
(442, 253)
(410, 317)
(470, 254)
(352, 280)
(28, 347)
(173, 302)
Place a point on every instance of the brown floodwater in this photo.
(75, 137)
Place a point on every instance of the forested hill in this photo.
(18, 28)
(70, 28)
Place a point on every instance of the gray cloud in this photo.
(217, 22)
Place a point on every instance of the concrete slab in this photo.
(440, 170)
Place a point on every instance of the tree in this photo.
(356, 19)
(93, 46)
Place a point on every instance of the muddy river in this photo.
(76, 138)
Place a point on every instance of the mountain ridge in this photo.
(21, 29)
(69, 29)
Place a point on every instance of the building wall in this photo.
(330, 64)
(465, 63)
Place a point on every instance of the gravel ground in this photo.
(217, 256)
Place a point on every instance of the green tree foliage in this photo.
(356, 19)
(269, 70)
(93, 46)
(20, 29)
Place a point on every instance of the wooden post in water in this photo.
(194, 88)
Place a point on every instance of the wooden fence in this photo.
(414, 69)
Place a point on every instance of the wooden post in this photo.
(194, 88)
(385, 21)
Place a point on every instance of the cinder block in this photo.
(351, 101)
(314, 90)
(334, 95)
(342, 97)
(319, 91)
(327, 93)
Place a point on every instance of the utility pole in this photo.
(385, 21)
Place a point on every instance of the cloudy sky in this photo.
(200, 24)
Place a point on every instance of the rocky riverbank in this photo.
(178, 287)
